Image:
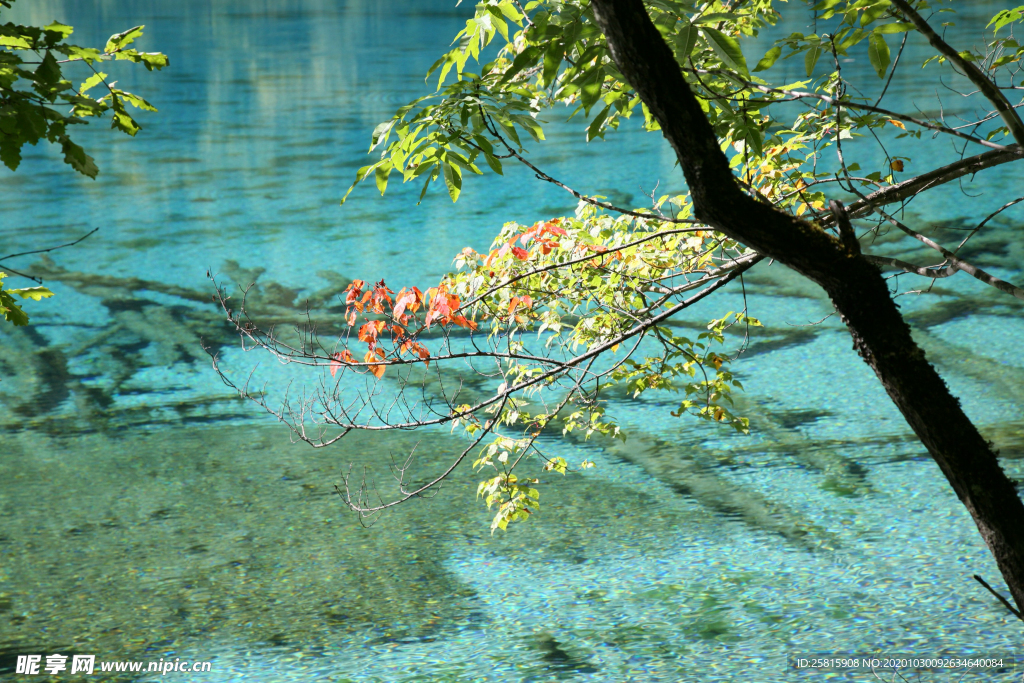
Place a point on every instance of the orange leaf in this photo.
(462, 321)
(407, 301)
(423, 354)
(418, 349)
(898, 124)
(897, 164)
(377, 370)
(354, 290)
(369, 331)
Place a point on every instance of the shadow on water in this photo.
(150, 519)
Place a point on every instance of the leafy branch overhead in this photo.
(526, 339)
(559, 57)
(37, 102)
(40, 103)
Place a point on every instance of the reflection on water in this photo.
(150, 514)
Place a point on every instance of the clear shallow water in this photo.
(148, 515)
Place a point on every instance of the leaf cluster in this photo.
(10, 309)
(38, 102)
(570, 308)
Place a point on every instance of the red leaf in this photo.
(339, 359)
(520, 253)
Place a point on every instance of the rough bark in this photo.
(856, 287)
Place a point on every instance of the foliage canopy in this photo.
(37, 102)
(557, 314)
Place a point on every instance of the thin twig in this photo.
(42, 251)
(1003, 600)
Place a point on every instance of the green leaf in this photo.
(34, 293)
(552, 60)
(525, 58)
(898, 27)
(852, 39)
(360, 176)
(509, 10)
(17, 42)
(1006, 16)
(76, 157)
(449, 62)
(594, 130)
(878, 54)
(135, 100)
(119, 41)
(75, 53)
(493, 162)
(152, 60)
(63, 30)
(10, 152)
(121, 119)
(31, 122)
(381, 133)
(769, 59)
(811, 57)
(92, 82)
(874, 12)
(727, 49)
(753, 136)
(453, 179)
(381, 176)
(686, 39)
(11, 310)
(716, 17)
(48, 71)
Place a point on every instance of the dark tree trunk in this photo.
(857, 289)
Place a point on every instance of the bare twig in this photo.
(1006, 603)
(43, 251)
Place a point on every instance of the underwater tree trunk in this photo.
(861, 296)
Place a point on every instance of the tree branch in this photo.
(926, 271)
(979, 79)
(879, 332)
(955, 260)
(926, 181)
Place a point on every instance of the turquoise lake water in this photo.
(147, 513)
